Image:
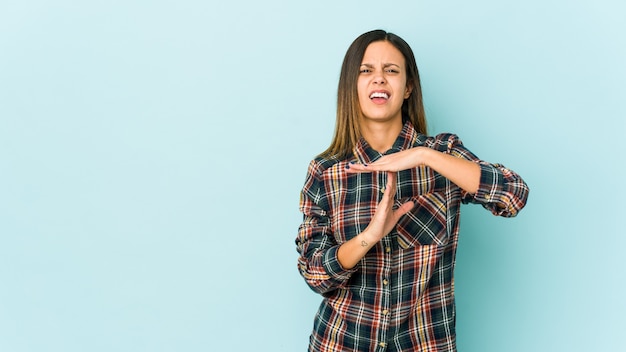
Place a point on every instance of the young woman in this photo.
(381, 210)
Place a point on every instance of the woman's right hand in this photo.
(384, 220)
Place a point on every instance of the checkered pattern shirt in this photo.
(400, 297)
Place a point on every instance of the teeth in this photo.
(379, 95)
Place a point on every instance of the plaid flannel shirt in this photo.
(400, 297)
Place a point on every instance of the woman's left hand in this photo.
(406, 159)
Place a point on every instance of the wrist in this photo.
(366, 239)
(423, 156)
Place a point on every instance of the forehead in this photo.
(382, 52)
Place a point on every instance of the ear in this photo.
(408, 91)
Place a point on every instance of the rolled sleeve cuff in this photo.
(491, 183)
(333, 267)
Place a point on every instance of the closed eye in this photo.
(389, 68)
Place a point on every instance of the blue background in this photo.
(151, 155)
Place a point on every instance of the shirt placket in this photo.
(384, 280)
(385, 304)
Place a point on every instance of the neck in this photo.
(381, 135)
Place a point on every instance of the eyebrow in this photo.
(384, 65)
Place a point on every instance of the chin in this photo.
(382, 118)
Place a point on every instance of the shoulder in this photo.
(441, 142)
(320, 164)
(315, 183)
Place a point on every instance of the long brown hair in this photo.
(347, 131)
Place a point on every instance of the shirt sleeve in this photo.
(318, 263)
(501, 190)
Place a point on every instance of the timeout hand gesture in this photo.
(406, 159)
(385, 217)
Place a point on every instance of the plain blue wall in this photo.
(151, 155)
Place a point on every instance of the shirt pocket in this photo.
(426, 223)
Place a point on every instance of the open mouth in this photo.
(379, 97)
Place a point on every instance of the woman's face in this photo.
(381, 85)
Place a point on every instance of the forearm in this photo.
(463, 173)
(322, 270)
(351, 252)
(318, 263)
(384, 220)
(502, 191)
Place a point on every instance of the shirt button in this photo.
(388, 249)
(382, 344)
(385, 282)
(385, 312)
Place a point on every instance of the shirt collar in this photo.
(407, 138)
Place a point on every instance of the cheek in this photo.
(360, 88)
(361, 92)
(401, 90)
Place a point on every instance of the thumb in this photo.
(404, 208)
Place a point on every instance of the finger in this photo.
(389, 192)
(404, 208)
(390, 189)
(391, 183)
(352, 168)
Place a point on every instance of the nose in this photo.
(379, 78)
